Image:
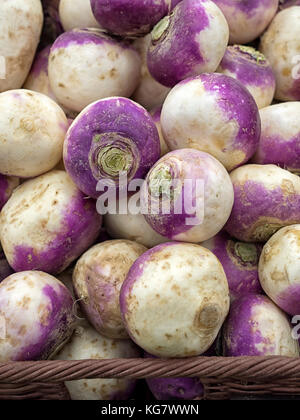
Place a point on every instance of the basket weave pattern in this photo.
(222, 377)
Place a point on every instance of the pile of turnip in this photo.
(149, 183)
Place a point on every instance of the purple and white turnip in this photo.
(86, 65)
(187, 196)
(110, 136)
(76, 14)
(252, 69)
(86, 343)
(279, 269)
(175, 299)
(280, 136)
(239, 261)
(47, 223)
(266, 198)
(280, 45)
(21, 25)
(189, 41)
(215, 114)
(247, 19)
(97, 279)
(257, 327)
(33, 128)
(36, 311)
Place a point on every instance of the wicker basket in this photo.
(223, 378)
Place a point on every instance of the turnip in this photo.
(175, 299)
(110, 136)
(266, 198)
(189, 41)
(187, 196)
(156, 115)
(280, 44)
(280, 136)
(86, 65)
(251, 68)
(240, 263)
(47, 223)
(7, 186)
(129, 17)
(76, 14)
(132, 227)
(21, 24)
(97, 279)
(86, 343)
(33, 128)
(215, 114)
(257, 327)
(247, 19)
(279, 269)
(149, 92)
(37, 316)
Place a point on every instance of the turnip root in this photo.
(97, 279)
(175, 300)
(247, 19)
(266, 198)
(196, 191)
(21, 25)
(132, 227)
(47, 223)
(86, 65)
(37, 313)
(189, 41)
(7, 186)
(239, 261)
(129, 17)
(149, 92)
(257, 327)
(253, 70)
(76, 14)
(279, 269)
(33, 128)
(86, 343)
(284, 31)
(110, 136)
(215, 114)
(156, 115)
(280, 136)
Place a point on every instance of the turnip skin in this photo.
(280, 136)
(86, 343)
(21, 25)
(195, 166)
(76, 14)
(86, 65)
(149, 93)
(279, 269)
(129, 17)
(215, 114)
(33, 128)
(156, 115)
(47, 223)
(266, 198)
(257, 327)
(284, 30)
(7, 186)
(38, 313)
(175, 299)
(132, 227)
(103, 127)
(97, 279)
(251, 68)
(194, 42)
(247, 19)
(239, 261)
